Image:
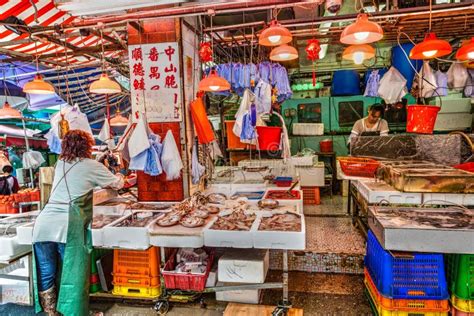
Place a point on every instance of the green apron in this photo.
(73, 295)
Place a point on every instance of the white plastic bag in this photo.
(171, 158)
(457, 77)
(32, 159)
(442, 83)
(392, 86)
(105, 135)
(138, 141)
(427, 80)
(197, 170)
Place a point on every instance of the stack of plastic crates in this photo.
(409, 284)
(136, 273)
(460, 271)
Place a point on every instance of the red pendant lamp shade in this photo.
(275, 35)
(466, 51)
(283, 53)
(431, 47)
(213, 83)
(358, 53)
(8, 112)
(362, 31)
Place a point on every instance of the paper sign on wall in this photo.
(155, 83)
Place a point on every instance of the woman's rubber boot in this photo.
(48, 300)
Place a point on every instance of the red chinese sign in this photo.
(155, 81)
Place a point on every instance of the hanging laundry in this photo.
(245, 103)
(171, 158)
(372, 87)
(32, 159)
(263, 97)
(442, 83)
(53, 141)
(153, 165)
(247, 134)
(197, 170)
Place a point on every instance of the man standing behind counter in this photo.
(371, 125)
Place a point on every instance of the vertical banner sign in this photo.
(155, 84)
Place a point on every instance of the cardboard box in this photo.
(239, 296)
(243, 266)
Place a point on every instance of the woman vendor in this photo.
(62, 229)
(371, 125)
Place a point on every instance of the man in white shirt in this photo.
(373, 124)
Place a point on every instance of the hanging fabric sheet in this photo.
(197, 170)
(201, 122)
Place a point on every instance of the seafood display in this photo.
(283, 195)
(191, 221)
(189, 213)
(150, 206)
(426, 177)
(268, 204)
(102, 220)
(201, 213)
(216, 198)
(169, 219)
(238, 220)
(249, 195)
(139, 219)
(281, 222)
(210, 209)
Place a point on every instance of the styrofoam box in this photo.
(376, 191)
(312, 176)
(126, 237)
(278, 166)
(98, 234)
(453, 121)
(249, 266)
(238, 296)
(448, 199)
(303, 160)
(308, 128)
(175, 241)
(230, 188)
(264, 239)
(10, 247)
(228, 238)
(25, 234)
(298, 203)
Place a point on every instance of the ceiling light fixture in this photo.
(358, 53)
(283, 53)
(275, 35)
(213, 83)
(466, 51)
(431, 47)
(38, 85)
(118, 119)
(8, 112)
(362, 31)
(104, 85)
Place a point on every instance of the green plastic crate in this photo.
(460, 272)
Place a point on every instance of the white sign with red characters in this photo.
(155, 84)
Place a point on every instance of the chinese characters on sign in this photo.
(154, 81)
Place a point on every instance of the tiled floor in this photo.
(335, 206)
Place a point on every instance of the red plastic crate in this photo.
(311, 195)
(358, 167)
(185, 281)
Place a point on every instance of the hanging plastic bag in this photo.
(197, 170)
(457, 77)
(153, 164)
(442, 83)
(201, 122)
(469, 90)
(426, 80)
(32, 159)
(171, 158)
(372, 87)
(105, 135)
(138, 141)
(392, 86)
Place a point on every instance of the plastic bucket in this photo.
(269, 137)
(325, 146)
(421, 119)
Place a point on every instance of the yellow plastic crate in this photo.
(463, 305)
(385, 312)
(137, 291)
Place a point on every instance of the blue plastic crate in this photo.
(407, 276)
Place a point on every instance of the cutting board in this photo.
(236, 309)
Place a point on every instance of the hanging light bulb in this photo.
(213, 83)
(466, 51)
(8, 112)
(283, 53)
(358, 53)
(104, 85)
(275, 35)
(362, 31)
(431, 47)
(38, 86)
(118, 119)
